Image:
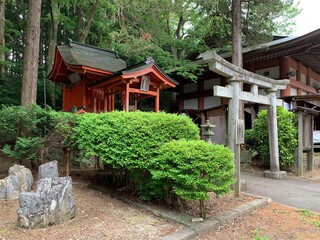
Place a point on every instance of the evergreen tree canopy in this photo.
(167, 30)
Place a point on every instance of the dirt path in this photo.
(99, 216)
(272, 222)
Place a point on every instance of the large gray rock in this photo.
(3, 188)
(13, 187)
(30, 205)
(48, 170)
(24, 175)
(52, 203)
(19, 180)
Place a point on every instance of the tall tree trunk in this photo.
(53, 41)
(84, 26)
(54, 11)
(2, 38)
(31, 54)
(236, 33)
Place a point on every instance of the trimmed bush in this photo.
(191, 169)
(130, 139)
(135, 143)
(257, 139)
(127, 141)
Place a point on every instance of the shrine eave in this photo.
(138, 70)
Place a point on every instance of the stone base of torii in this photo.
(236, 76)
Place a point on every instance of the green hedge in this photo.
(160, 153)
(130, 139)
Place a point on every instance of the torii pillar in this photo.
(274, 171)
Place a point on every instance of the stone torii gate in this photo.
(236, 76)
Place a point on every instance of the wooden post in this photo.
(135, 103)
(157, 103)
(106, 103)
(126, 98)
(298, 72)
(310, 163)
(84, 98)
(94, 105)
(299, 91)
(112, 103)
(64, 99)
(299, 151)
(308, 76)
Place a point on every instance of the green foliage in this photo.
(257, 139)
(317, 224)
(191, 169)
(169, 31)
(263, 19)
(257, 235)
(260, 21)
(17, 121)
(306, 213)
(65, 123)
(25, 129)
(131, 139)
(25, 148)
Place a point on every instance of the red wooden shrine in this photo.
(91, 77)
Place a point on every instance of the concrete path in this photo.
(288, 191)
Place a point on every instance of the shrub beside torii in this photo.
(190, 169)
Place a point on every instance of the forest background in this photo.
(171, 31)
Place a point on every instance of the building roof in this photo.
(313, 100)
(142, 66)
(147, 67)
(78, 54)
(104, 67)
(305, 48)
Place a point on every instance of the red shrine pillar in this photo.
(126, 101)
(157, 103)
